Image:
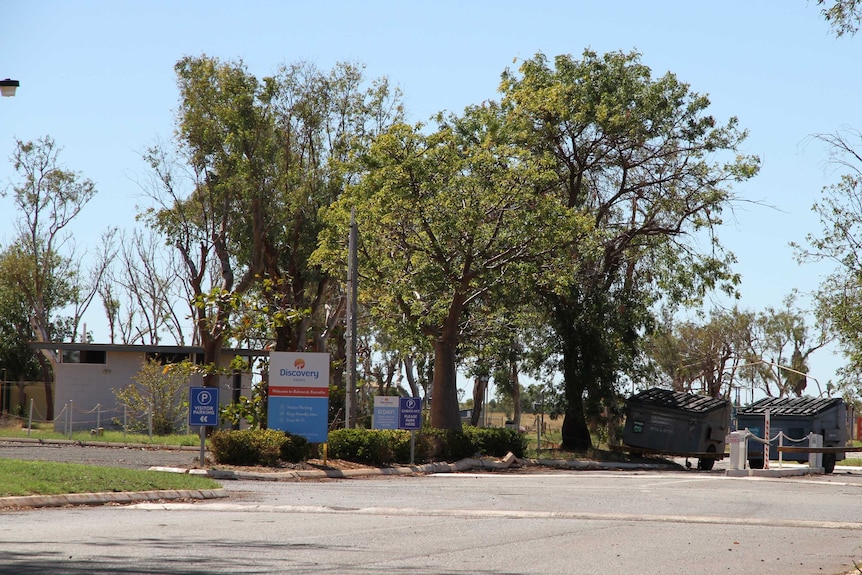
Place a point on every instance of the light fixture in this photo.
(8, 87)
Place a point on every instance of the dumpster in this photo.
(675, 423)
(796, 417)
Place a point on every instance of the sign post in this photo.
(410, 417)
(203, 412)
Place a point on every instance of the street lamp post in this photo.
(8, 87)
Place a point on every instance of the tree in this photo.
(19, 362)
(782, 346)
(264, 156)
(139, 293)
(651, 170)
(843, 15)
(157, 396)
(42, 261)
(444, 219)
(839, 296)
(705, 357)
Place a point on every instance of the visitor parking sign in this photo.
(203, 406)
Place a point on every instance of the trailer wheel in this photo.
(828, 462)
(707, 463)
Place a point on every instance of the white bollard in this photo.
(815, 460)
(738, 441)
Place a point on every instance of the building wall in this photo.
(84, 397)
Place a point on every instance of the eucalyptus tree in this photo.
(837, 243)
(644, 162)
(43, 262)
(843, 15)
(446, 216)
(238, 197)
(713, 357)
(140, 291)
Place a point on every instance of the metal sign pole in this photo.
(203, 433)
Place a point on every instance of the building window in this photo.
(84, 356)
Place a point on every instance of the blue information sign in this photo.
(410, 413)
(203, 406)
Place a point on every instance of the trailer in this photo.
(675, 423)
(796, 417)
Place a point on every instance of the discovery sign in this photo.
(299, 394)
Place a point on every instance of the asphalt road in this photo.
(500, 523)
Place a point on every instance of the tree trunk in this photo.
(576, 433)
(516, 394)
(480, 384)
(212, 357)
(444, 388)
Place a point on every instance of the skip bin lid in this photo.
(682, 401)
(791, 405)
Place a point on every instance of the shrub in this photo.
(497, 441)
(159, 391)
(384, 447)
(294, 448)
(362, 446)
(257, 447)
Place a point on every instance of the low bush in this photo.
(497, 441)
(294, 448)
(257, 447)
(385, 447)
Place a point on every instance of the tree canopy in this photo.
(651, 171)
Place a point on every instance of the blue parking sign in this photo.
(410, 413)
(203, 406)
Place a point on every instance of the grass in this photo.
(43, 431)
(19, 477)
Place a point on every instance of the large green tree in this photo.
(445, 217)
(642, 159)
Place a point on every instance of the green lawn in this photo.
(45, 478)
(47, 432)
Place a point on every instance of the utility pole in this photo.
(350, 395)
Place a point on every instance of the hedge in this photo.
(385, 447)
(257, 447)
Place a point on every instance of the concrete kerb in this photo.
(103, 498)
(463, 465)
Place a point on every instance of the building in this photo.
(88, 373)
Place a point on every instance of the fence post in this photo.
(98, 417)
(150, 422)
(125, 420)
(768, 439)
(30, 419)
(780, 445)
(71, 418)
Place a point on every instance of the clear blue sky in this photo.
(97, 76)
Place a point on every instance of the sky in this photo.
(97, 76)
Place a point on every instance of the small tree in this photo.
(158, 389)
